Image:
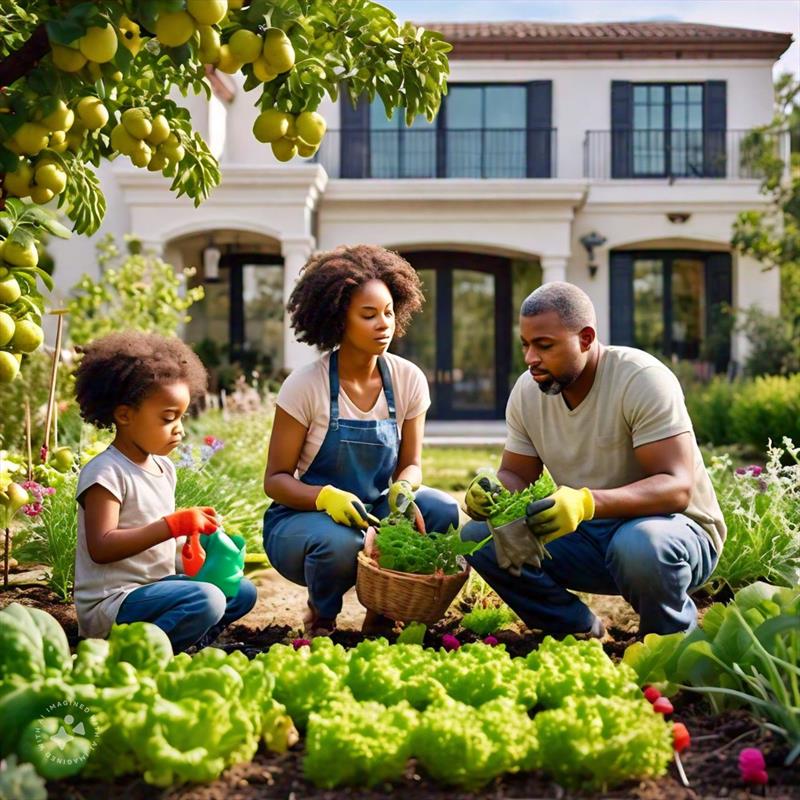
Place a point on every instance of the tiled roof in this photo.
(513, 39)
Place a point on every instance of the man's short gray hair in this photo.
(572, 305)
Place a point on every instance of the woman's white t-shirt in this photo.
(305, 395)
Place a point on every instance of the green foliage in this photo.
(33, 384)
(774, 344)
(768, 409)
(509, 506)
(20, 781)
(709, 406)
(762, 512)
(483, 621)
(773, 236)
(402, 548)
(139, 292)
(52, 537)
(744, 654)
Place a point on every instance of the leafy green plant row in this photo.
(467, 716)
(745, 654)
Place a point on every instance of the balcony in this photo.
(439, 153)
(638, 154)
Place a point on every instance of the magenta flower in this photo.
(490, 640)
(755, 470)
(450, 642)
(37, 493)
(752, 767)
(298, 643)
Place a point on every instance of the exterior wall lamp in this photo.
(590, 241)
(211, 257)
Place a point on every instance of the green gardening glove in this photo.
(481, 493)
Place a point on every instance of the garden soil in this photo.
(710, 763)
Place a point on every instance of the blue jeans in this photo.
(310, 549)
(189, 612)
(652, 562)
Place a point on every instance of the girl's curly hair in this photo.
(123, 368)
(318, 305)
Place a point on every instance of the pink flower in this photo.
(490, 640)
(214, 443)
(298, 643)
(752, 766)
(450, 642)
(32, 509)
(755, 470)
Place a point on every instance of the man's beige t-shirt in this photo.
(634, 400)
(305, 395)
(144, 497)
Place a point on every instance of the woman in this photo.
(348, 427)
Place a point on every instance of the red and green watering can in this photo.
(216, 558)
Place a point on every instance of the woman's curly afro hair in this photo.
(318, 305)
(123, 368)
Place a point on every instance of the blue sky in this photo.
(770, 15)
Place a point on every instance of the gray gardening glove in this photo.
(515, 546)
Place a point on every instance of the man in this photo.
(643, 520)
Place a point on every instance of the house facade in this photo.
(607, 155)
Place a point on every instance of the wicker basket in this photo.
(403, 596)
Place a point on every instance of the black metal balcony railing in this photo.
(439, 153)
(674, 154)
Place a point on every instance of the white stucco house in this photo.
(602, 154)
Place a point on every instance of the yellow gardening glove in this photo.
(480, 494)
(344, 508)
(559, 514)
(401, 501)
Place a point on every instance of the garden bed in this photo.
(710, 763)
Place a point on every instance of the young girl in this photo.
(346, 426)
(141, 385)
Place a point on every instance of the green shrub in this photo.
(709, 407)
(768, 408)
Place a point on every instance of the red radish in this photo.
(651, 693)
(680, 737)
(662, 706)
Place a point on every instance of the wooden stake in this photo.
(28, 437)
(5, 557)
(53, 376)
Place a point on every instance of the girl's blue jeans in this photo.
(189, 612)
(653, 562)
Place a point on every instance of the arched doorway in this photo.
(238, 326)
(465, 338)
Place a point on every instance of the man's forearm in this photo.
(512, 481)
(657, 494)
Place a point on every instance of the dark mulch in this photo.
(710, 763)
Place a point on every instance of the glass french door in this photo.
(462, 338)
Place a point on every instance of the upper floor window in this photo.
(481, 131)
(667, 130)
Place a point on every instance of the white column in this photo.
(295, 254)
(554, 268)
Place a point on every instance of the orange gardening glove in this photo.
(189, 521)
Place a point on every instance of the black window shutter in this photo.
(621, 129)
(354, 143)
(621, 299)
(714, 128)
(719, 293)
(539, 123)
